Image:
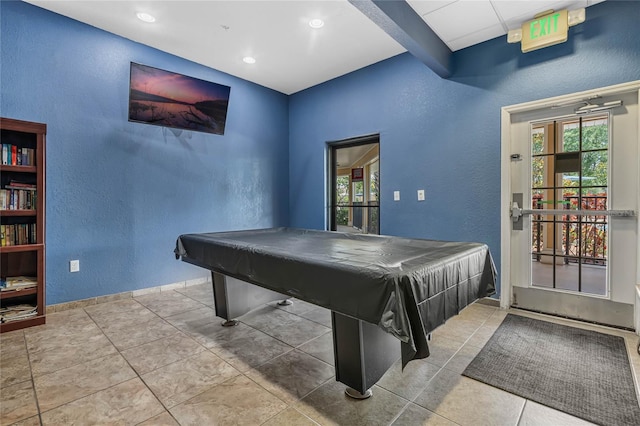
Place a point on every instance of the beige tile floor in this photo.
(164, 359)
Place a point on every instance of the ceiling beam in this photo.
(398, 19)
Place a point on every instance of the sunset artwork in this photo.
(174, 100)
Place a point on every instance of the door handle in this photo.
(616, 213)
(516, 213)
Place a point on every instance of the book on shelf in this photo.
(17, 312)
(13, 198)
(16, 184)
(13, 155)
(18, 234)
(17, 283)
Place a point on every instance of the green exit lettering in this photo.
(544, 26)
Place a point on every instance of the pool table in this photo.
(386, 294)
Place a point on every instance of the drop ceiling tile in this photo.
(461, 18)
(423, 7)
(518, 20)
(526, 9)
(477, 37)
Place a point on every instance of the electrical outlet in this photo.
(74, 265)
(396, 195)
(420, 194)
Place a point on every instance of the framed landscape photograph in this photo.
(168, 99)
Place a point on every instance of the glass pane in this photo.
(539, 202)
(594, 239)
(537, 237)
(594, 279)
(571, 136)
(567, 275)
(570, 179)
(342, 190)
(570, 240)
(566, 272)
(595, 133)
(537, 196)
(570, 199)
(373, 218)
(542, 171)
(542, 271)
(358, 188)
(374, 181)
(537, 141)
(595, 166)
(594, 199)
(342, 216)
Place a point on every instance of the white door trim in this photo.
(505, 169)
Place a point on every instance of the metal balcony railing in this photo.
(358, 212)
(584, 237)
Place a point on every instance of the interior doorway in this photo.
(354, 174)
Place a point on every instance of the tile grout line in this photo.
(33, 382)
(131, 367)
(212, 352)
(521, 411)
(440, 368)
(397, 416)
(119, 351)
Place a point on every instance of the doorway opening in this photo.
(572, 162)
(354, 200)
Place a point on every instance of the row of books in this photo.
(18, 196)
(18, 234)
(13, 155)
(18, 283)
(17, 312)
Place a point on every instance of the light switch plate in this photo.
(420, 194)
(74, 265)
(396, 195)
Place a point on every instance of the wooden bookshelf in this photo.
(26, 254)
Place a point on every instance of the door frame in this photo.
(331, 148)
(505, 174)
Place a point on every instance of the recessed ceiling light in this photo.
(145, 17)
(249, 60)
(316, 23)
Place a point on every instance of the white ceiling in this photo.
(290, 55)
(347, 157)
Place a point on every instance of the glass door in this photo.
(355, 186)
(570, 172)
(578, 166)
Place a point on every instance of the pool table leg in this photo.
(363, 353)
(233, 298)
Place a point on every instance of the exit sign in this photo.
(545, 31)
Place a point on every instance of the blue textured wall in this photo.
(444, 135)
(119, 193)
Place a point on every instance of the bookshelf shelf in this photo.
(10, 294)
(18, 169)
(18, 213)
(19, 324)
(22, 248)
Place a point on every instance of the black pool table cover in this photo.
(407, 287)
